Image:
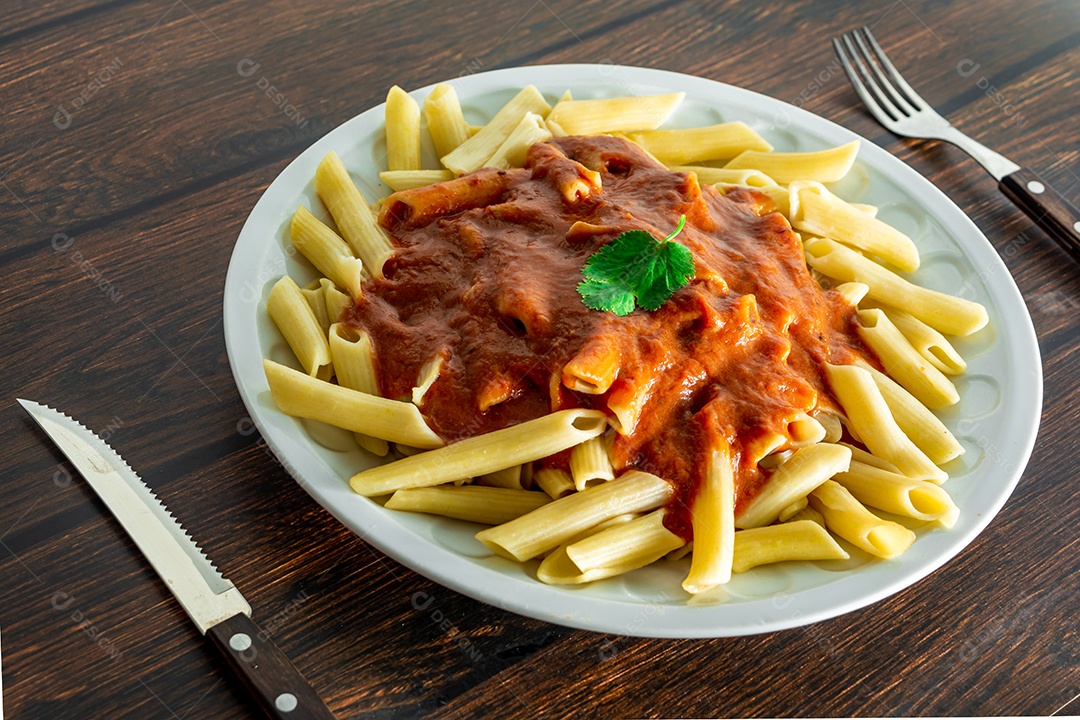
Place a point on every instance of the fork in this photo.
(892, 101)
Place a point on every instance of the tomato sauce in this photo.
(733, 356)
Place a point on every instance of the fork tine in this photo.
(897, 97)
(869, 81)
(860, 89)
(898, 80)
(856, 83)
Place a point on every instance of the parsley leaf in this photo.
(635, 267)
(601, 295)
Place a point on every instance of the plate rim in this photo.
(449, 568)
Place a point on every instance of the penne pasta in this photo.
(927, 341)
(822, 166)
(402, 131)
(409, 451)
(713, 521)
(336, 303)
(796, 540)
(558, 569)
(903, 363)
(898, 494)
(852, 292)
(315, 294)
(590, 464)
(375, 446)
(804, 471)
(712, 176)
(846, 516)
(408, 179)
(428, 375)
(920, 425)
(626, 403)
(506, 478)
(487, 505)
(552, 524)
(421, 206)
(556, 483)
(948, 314)
(292, 314)
(622, 114)
(511, 153)
(867, 410)
(791, 510)
(714, 142)
(625, 546)
(352, 214)
(298, 395)
(445, 121)
(779, 194)
(479, 148)
(807, 513)
(805, 430)
(834, 427)
(353, 363)
(326, 251)
(860, 455)
(482, 454)
(594, 368)
(817, 211)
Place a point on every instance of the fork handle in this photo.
(1046, 207)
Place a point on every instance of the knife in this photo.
(215, 606)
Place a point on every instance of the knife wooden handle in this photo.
(278, 687)
(1046, 207)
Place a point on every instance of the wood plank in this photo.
(28, 19)
(179, 102)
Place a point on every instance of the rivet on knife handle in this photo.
(278, 687)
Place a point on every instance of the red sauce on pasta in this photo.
(492, 288)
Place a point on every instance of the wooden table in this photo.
(138, 134)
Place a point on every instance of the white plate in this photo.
(996, 420)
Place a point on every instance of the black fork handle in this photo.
(1046, 207)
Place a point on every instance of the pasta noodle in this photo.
(550, 525)
(588, 117)
(486, 505)
(946, 313)
(475, 151)
(326, 251)
(402, 131)
(484, 453)
(445, 121)
(816, 210)
(715, 142)
(301, 396)
(847, 517)
(714, 526)
(295, 319)
(821, 166)
(352, 214)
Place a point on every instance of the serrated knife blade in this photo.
(212, 602)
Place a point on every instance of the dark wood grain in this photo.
(151, 182)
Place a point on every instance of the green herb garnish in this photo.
(635, 267)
